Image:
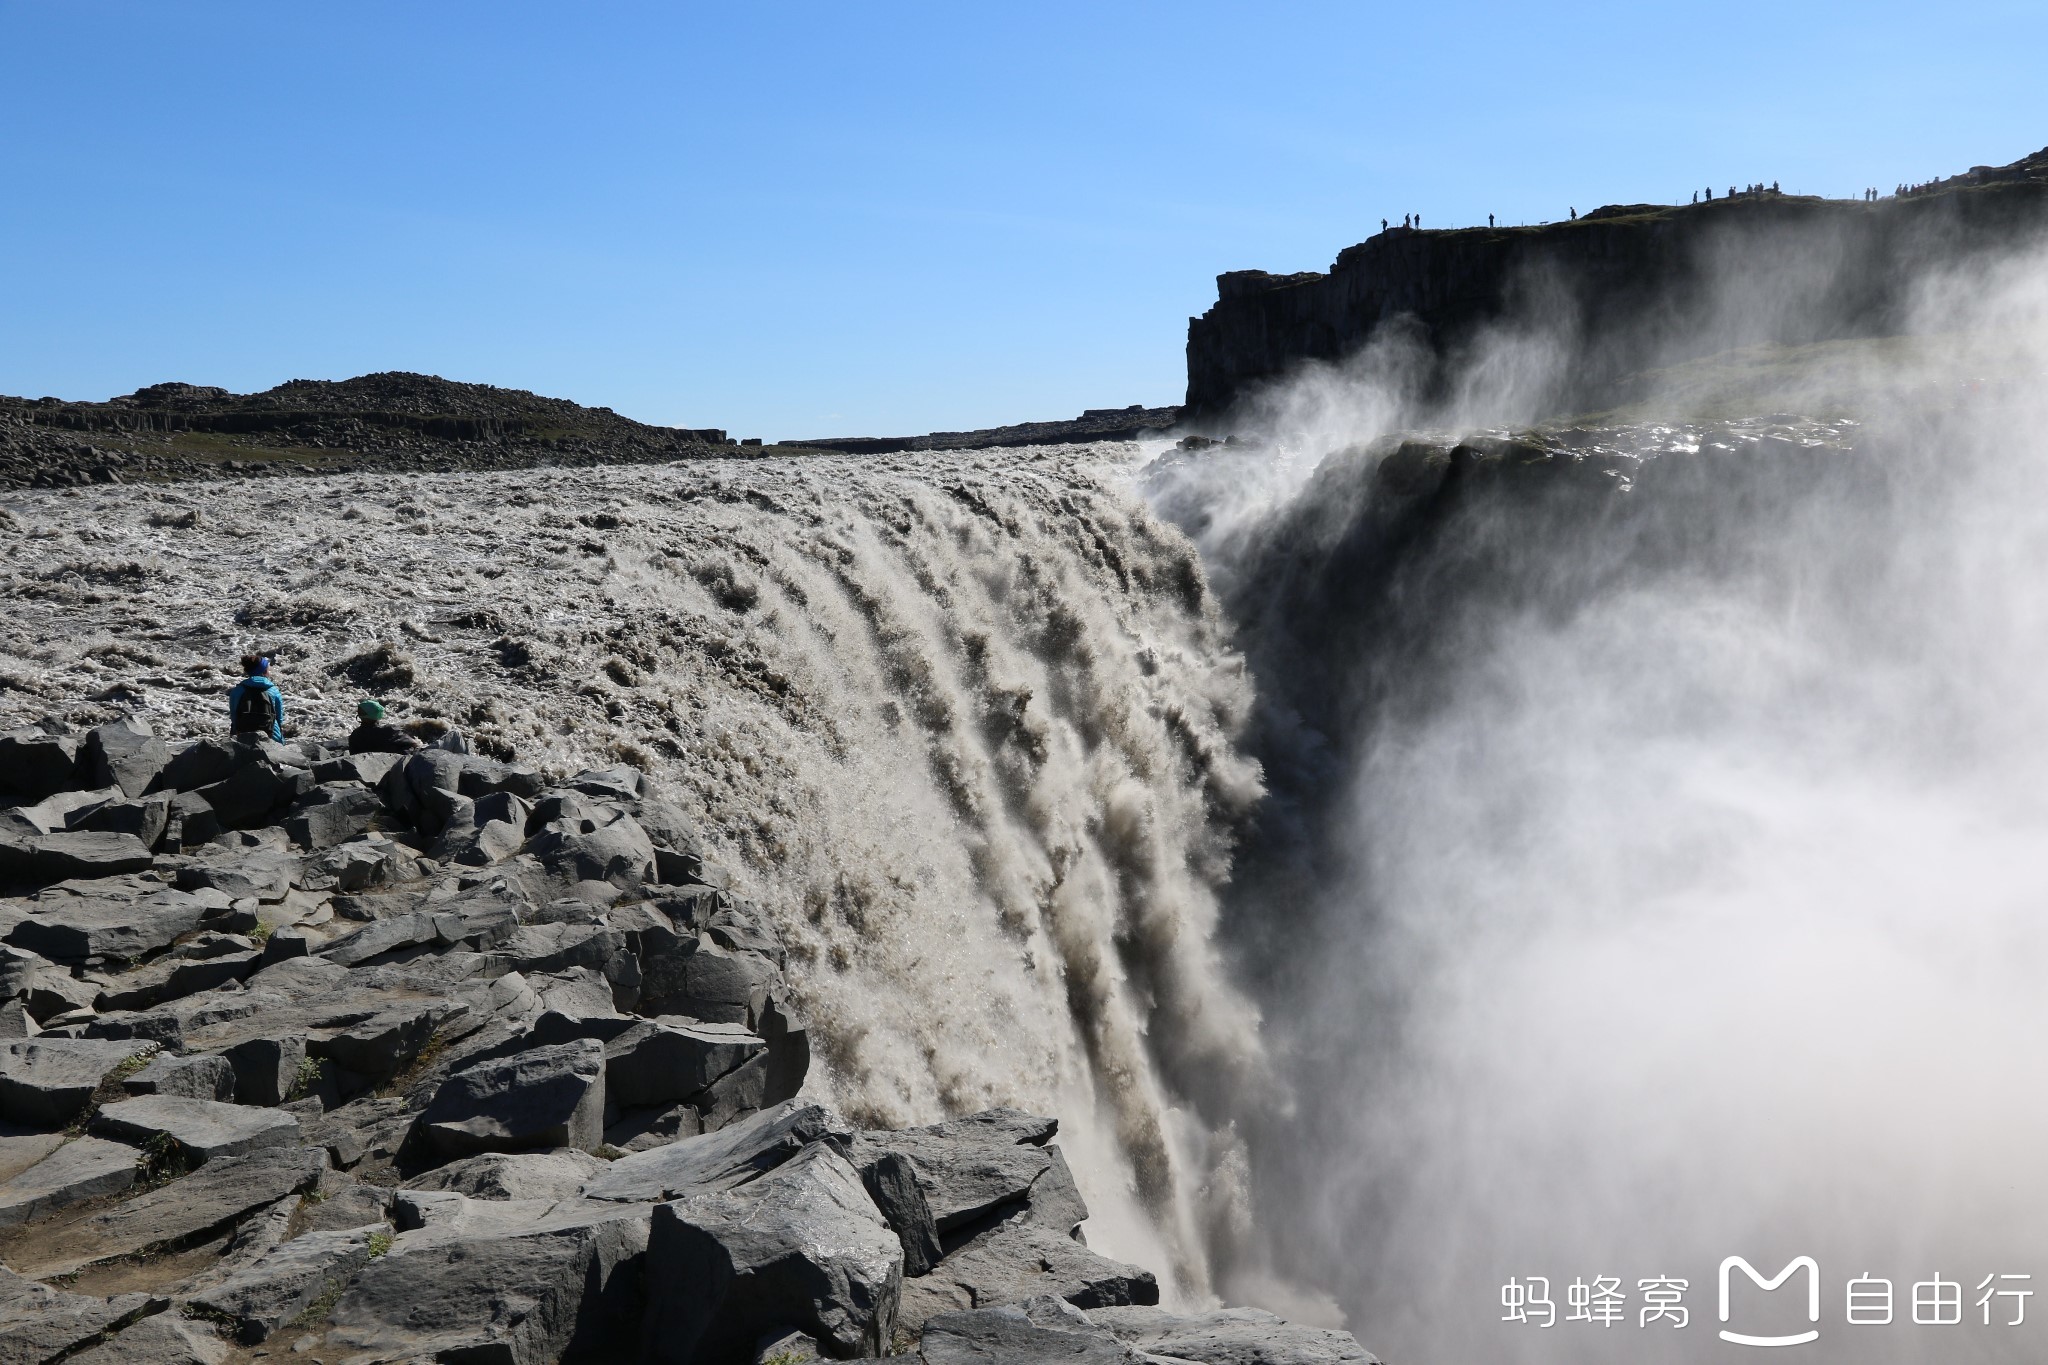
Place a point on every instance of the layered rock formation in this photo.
(1625, 286)
(434, 1057)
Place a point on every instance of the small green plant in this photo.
(162, 1159)
(784, 1358)
(262, 932)
(380, 1242)
(316, 1312)
(305, 1079)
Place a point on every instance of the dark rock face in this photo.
(1636, 281)
(443, 1058)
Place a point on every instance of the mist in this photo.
(1651, 869)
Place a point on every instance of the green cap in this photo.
(370, 710)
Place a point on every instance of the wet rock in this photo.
(194, 1078)
(546, 1097)
(204, 1129)
(82, 1169)
(560, 1287)
(800, 1247)
(258, 1300)
(719, 1161)
(123, 753)
(44, 1082)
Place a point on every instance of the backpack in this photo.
(254, 714)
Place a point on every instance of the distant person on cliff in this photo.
(1383, 225)
(255, 706)
(1489, 220)
(378, 735)
(1575, 215)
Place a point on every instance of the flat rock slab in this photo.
(1020, 1260)
(285, 1281)
(44, 1082)
(209, 1200)
(83, 927)
(161, 1339)
(723, 1160)
(207, 1129)
(38, 1323)
(77, 1171)
(524, 1175)
(46, 858)
(172, 979)
(964, 1170)
(563, 1286)
(1231, 1336)
(1015, 1336)
(544, 1097)
(800, 1247)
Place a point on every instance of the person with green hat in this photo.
(376, 735)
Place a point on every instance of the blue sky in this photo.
(799, 220)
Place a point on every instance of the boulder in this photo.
(602, 847)
(123, 753)
(368, 770)
(359, 865)
(87, 923)
(1018, 1260)
(482, 832)
(1230, 1336)
(17, 1022)
(531, 1291)
(610, 784)
(207, 761)
(263, 875)
(545, 1097)
(550, 1176)
(698, 978)
(40, 860)
(35, 764)
(333, 813)
(891, 1183)
(658, 1062)
(799, 1247)
(54, 813)
(192, 1078)
(146, 819)
(257, 1300)
(253, 794)
(639, 1130)
(205, 1129)
(724, 1160)
(482, 777)
(189, 821)
(967, 1167)
(44, 1082)
(39, 1323)
(212, 1198)
(266, 1068)
(82, 1169)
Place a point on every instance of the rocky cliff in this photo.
(1627, 285)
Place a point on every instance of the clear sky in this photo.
(826, 219)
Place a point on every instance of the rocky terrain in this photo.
(1625, 286)
(1096, 424)
(392, 421)
(380, 1057)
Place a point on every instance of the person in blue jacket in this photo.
(255, 706)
